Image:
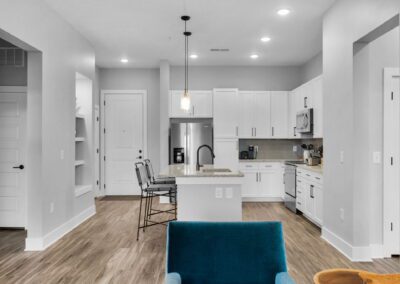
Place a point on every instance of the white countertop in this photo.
(182, 170)
(317, 169)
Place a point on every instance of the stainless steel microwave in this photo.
(304, 121)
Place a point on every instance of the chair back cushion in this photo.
(226, 252)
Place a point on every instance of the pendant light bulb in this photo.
(185, 102)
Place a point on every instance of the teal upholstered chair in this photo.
(226, 253)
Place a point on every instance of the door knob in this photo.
(21, 167)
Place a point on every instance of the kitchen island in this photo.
(210, 194)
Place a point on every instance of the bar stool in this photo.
(153, 178)
(148, 192)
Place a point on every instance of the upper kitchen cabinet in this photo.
(201, 104)
(254, 114)
(279, 114)
(317, 104)
(308, 95)
(225, 113)
(292, 111)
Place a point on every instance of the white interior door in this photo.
(97, 150)
(125, 141)
(391, 163)
(12, 158)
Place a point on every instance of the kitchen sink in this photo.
(216, 170)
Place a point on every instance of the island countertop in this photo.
(182, 170)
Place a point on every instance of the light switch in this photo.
(229, 192)
(219, 193)
(294, 149)
(341, 157)
(376, 157)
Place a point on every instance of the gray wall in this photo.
(311, 68)
(140, 79)
(64, 52)
(339, 34)
(244, 78)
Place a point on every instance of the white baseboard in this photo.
(39, 244)
(377, 251)
(262, 199)
(355, 254)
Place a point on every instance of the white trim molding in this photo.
(39, 244)
(355, 254)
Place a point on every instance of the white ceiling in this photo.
(146, 31)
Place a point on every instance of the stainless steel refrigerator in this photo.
(186, 135)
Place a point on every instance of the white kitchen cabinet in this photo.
(317, 105)
(201, 104)
(225, 113)
(319, 204)
(292, 111)
(279, 114)
(309, 198)
(226, 153)
(250, 184)
(262, 182)
(254, 114)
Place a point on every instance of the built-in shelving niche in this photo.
(83, 175)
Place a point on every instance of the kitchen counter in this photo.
(317, 169)
(180, 171)
(207, 195)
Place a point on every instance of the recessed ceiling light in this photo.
(194, 56)
(254, 56)
(124, 60)
(283, 12)
(265, 39)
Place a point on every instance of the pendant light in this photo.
(185, 100)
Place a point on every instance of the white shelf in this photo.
(81, 116)
(79, 163)
(82, 189)
(79, 139)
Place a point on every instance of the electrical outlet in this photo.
(376, 157)
(62, 154)
(294, 149)
(342, 214)
(219, 193)
(342, 157)
(229, 192)
(51, 207)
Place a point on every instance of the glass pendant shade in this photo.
(185, 102)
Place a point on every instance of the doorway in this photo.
(123, 140)
(12, 157)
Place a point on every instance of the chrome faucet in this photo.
(198, 151)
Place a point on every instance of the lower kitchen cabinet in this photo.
(310, 200)
(262, 181)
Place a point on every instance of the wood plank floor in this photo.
(104, 249)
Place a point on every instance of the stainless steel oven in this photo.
(304, 121)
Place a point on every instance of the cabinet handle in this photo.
(255, 131)
(259, 174)
(272, 131)
(193, 110)
(305, 102)
(248, 166)
(294, 131)
(312, 191)
(317, 178)
(256, 177)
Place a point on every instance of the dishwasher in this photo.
(290, 185)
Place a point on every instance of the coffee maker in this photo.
(253, 150)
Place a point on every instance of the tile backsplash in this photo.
(278, 148)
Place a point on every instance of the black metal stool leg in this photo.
(140, 212)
